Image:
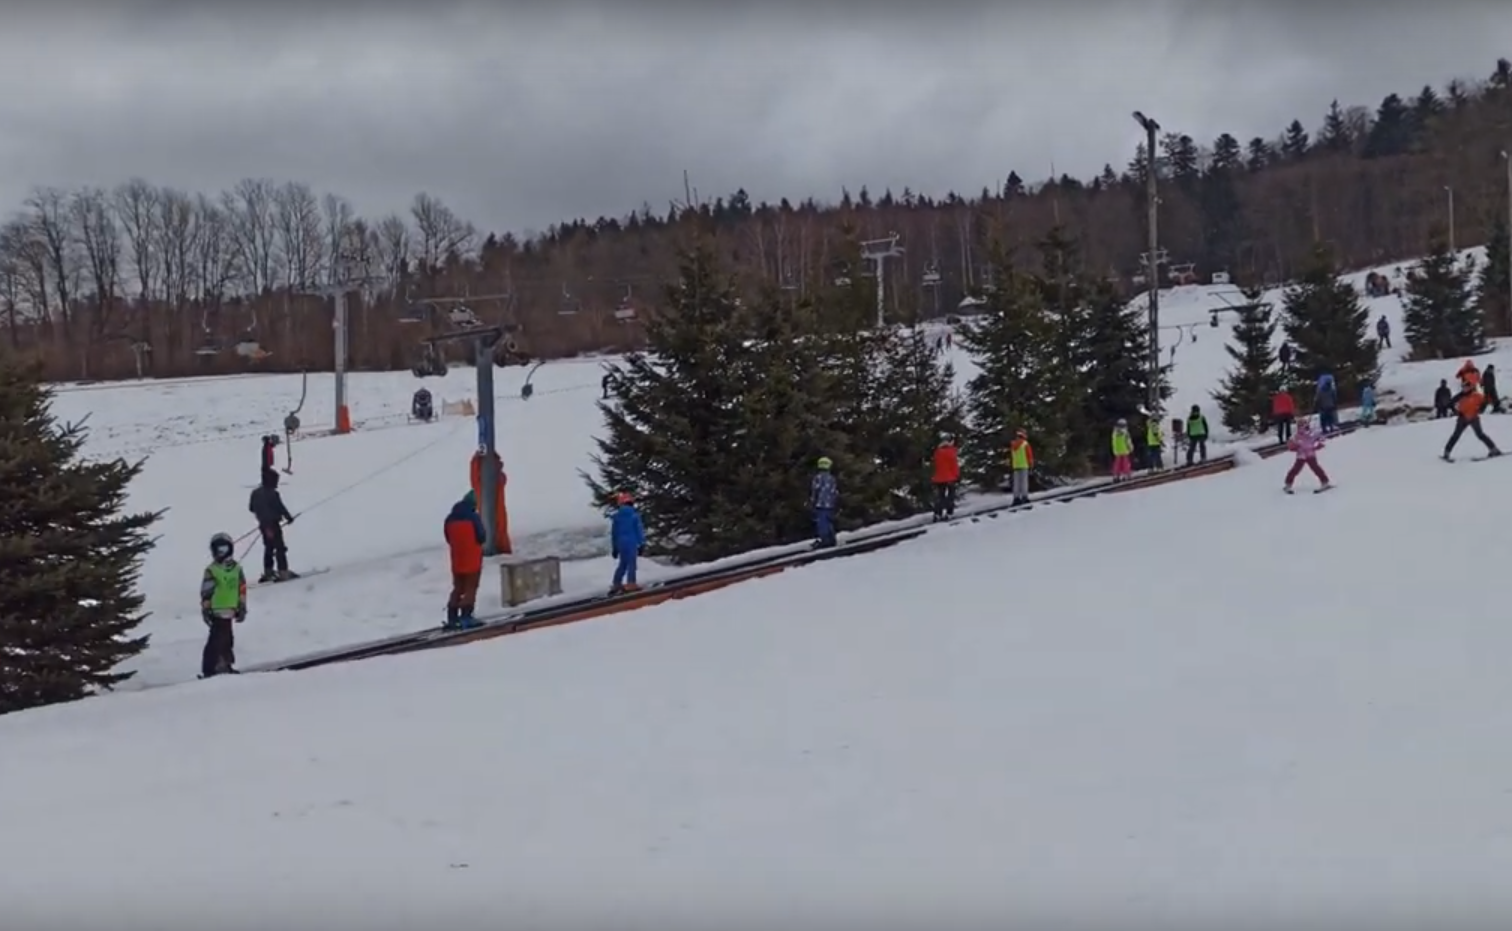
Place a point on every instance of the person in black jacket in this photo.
(1443, 400)
(267, 505)
(1488, 387)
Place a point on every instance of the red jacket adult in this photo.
(1282, 405)
(947, 465)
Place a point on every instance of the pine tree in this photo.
(1245, 396)
(917, 400)
(1492, 286)
(1065, 437)
(69, 557)
(1329, 328)
(1117, 373)
(1440, 318)
(1012, 344)
(688, 432)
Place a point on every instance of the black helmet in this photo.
(222, 546)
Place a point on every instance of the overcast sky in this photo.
(519, 115)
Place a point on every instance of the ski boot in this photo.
(468, 622)
(285, 575)
(267, 577)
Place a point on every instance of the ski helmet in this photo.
(222, 546)
(824, 463)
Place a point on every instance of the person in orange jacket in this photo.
(1283, 414)
(1467, 407)
(465, 536)
(945, 478)
(1021, 462)
(501, 511)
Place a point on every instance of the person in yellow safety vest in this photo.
(1123, 452)
(1021, 462)
(1154, 442)
(1197, 434)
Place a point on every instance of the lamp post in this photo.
(1450, 191)
(1152, 194)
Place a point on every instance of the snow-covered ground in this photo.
(1251, 713)
(370, 504)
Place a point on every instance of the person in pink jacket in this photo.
(1306, 444)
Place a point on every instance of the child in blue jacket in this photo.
(627, 537)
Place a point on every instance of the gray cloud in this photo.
(519, 116)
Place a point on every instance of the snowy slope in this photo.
(370, 504)
(1259, 712)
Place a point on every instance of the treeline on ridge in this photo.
(101, 284)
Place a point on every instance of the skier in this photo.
(824, 498)
(1467, 406)
(1284, 356)
(1383, 332)
(1123, 452)
(501, 512)
(1326, 403)
(1367, 404)
(1488, 385)
(269, 444)
(422, 406)
(1443, 400)
(946, 475)
(465, 537)
(627, 541)
(1284, 414)
(1306, 445)
(267, 505)
(1196, 434)
(1154, 443)
(223, 603)
(1021, 462)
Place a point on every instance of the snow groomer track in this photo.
(697, 581)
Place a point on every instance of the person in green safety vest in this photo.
(223, 602)
(1154, 442)
(1196, 434)
(1123, 452)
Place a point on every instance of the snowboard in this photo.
(303, 575)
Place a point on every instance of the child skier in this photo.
(223, 603)
(1467, 407)
(1306, 445)
(1021, 462)
(824, 498)
(1123, 452)
(945, 476)
(465, 536)
(1367, 404)
(267, 505)
(1155, 443)
(627, 540)
(1283, 414)
(1196, 434)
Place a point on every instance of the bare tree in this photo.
(217, 251)
(439, 232)
(395, 248)
(249, 215)
(95, 225)
(138, 209)
(301, 240)
(339, 217)
(52, 220)
(174, 233)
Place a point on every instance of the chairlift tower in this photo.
(879, 251)
(483, 338)
(339, 334)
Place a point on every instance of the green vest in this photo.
(1197, 427)
(1123, 444)
(227, 594)
(1152, 433)
(1020, 456)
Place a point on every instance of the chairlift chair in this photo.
(931, 275)
(414, 313)
(570, 304)
(625, 312)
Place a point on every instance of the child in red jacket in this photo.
(947, 475)
(1283, 415)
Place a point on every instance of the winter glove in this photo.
(206, 616)
(291, 519)
(614, 553)
(241, 615)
